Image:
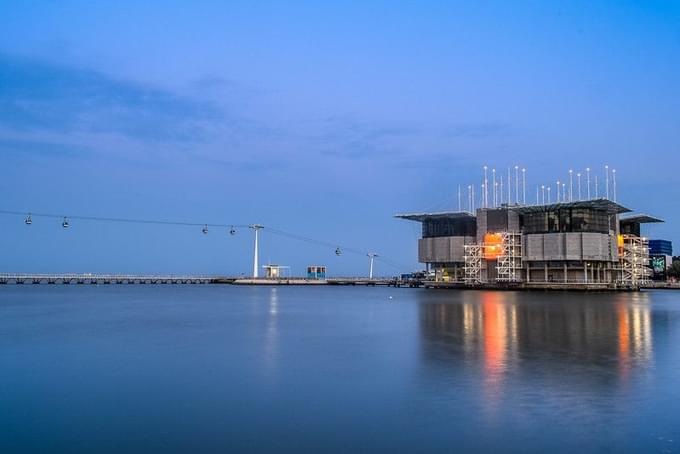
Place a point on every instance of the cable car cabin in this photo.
(316, 272)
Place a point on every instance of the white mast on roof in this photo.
(495, 188)
(509, 188)
(537, 195)
(485, 200)
(516, 185)
(588, 178)
(542, 194)
(459, 206)
(614, 183)
(524, 186)
(571, 185)
(606, 170)
(578, 179)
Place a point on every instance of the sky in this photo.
(321, 119)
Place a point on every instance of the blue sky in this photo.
(319, 119)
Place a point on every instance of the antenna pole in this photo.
(614, 183)
(524, 186)
(588, 178)
(578, 179)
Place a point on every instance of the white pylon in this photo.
(256, 228)
(548, 189)
(606, 179)
(501, 193)
(524, 186)
(371, 256)
(564, 192)
(470, 198)
(578, 179)
(597, 188)
(588, 178)
(614, 184)
(558, 192)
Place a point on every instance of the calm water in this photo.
(225, 368)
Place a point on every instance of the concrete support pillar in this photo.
(545, 272)
(565, 272)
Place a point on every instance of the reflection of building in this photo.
(581, 243)
(661, 257)
(504, 334)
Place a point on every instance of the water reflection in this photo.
(585, 339)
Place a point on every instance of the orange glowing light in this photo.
(493, 245)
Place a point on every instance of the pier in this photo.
(87, 278)
(139, 279)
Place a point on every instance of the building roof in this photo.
(596, 204)
(421, 217)
(640, 219)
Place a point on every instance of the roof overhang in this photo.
(640, 219)
(441, 215)
(596, 204)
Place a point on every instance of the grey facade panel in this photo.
(533, 247)
(553, 246)
(448, 249)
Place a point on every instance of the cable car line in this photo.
(66, 223)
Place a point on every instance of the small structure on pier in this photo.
(275, 271)
(316, 272)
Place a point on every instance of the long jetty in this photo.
(107, 279)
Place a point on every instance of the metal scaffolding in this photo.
(473, 264)
(634, 261)
(510, 259)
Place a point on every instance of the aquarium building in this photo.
(585, 244)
